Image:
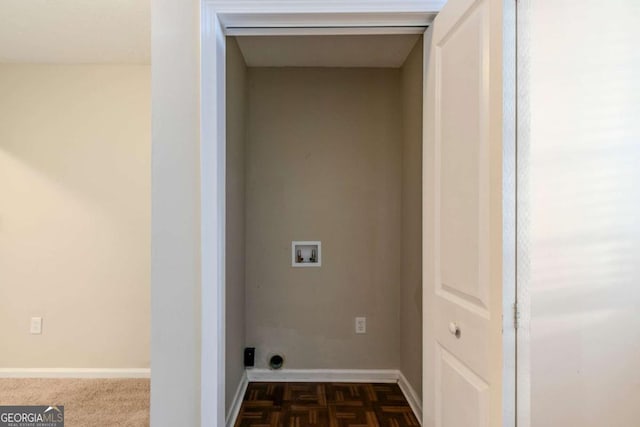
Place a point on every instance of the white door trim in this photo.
(523, 339)
(236, 404)
(320, 31)
(212, 220)
(509, 213)
(218, 18)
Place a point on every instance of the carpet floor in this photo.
(325, 405)
(87, 402)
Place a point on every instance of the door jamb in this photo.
(510, 245)
(523, 119)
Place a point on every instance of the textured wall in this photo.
(75, 190)
(583, 161)
(324, 160)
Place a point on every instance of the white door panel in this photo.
(461, 139)
(463, 216)
(466, 393)
(472, 347)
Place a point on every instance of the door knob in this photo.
(454, 329)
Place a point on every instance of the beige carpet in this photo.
(87, 402)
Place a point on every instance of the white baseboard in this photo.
(324, 375)
(74, 373)
(412, 397)
(234, 410)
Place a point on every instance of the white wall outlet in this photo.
(361, 325)
(36, 325)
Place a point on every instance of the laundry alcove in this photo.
(324, 144)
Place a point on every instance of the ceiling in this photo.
(75, 31)
(387, 51)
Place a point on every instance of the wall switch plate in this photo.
(361, 325)
(36, 325)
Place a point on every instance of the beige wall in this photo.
(235, 218)
(324, 160)
(75, 215)
(411, 284)
(583, 201)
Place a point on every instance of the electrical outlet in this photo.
(36, 325)
(361, 325)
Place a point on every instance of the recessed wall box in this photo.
(306, 254)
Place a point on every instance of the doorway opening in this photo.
(324, 155)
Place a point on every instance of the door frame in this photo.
(523, 338)
(220, 18)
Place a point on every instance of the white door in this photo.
(463, 214)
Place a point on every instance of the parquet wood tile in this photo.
(324, 405)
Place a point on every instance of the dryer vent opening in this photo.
(276, 361)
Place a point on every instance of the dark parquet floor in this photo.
(324, 405)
